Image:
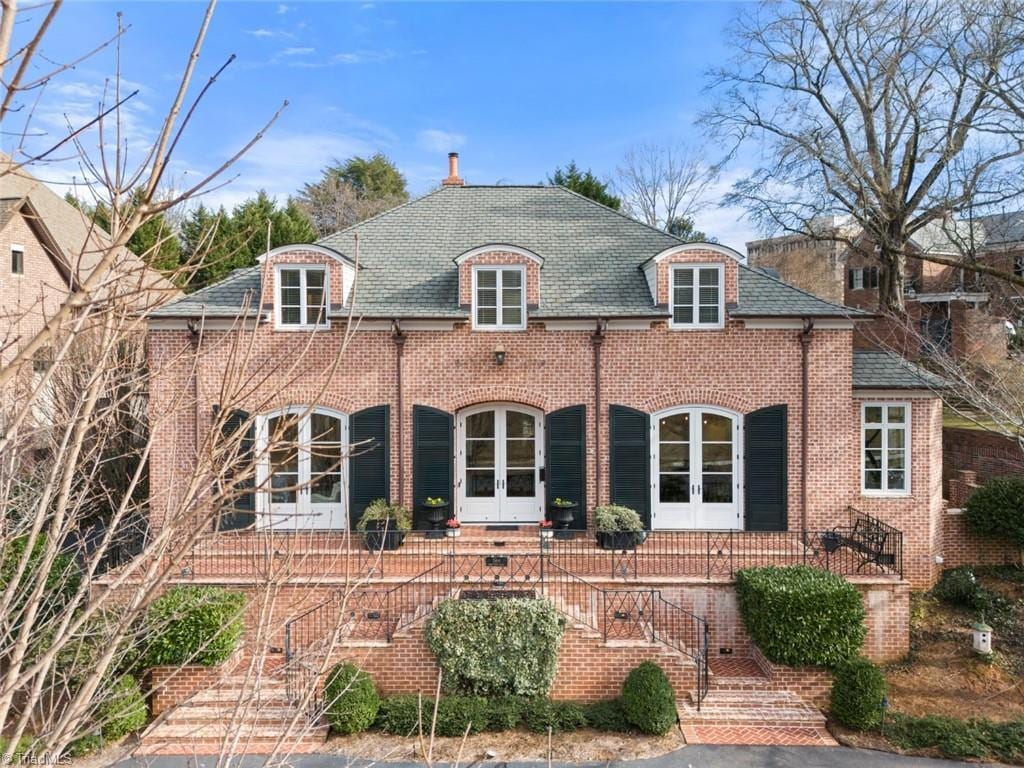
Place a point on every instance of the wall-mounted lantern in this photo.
(982, 634)
(499, 355)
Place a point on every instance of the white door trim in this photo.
(503, 509)
(698, 513)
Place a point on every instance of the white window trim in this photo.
(696, 325)
(303, 502)
(17, 249)
(908, 449)
(500, 326)
(303, 326)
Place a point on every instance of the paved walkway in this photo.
(697, 756)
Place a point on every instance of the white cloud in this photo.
(436, 140)
(297, 51)
(261, 32)
(282, 8)
(367, 7)
(363, 57)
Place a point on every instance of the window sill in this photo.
(708, 327)
(499, 328)
(291, 328)
(886, 494)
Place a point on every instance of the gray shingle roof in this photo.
(876, 369)
(592, 257)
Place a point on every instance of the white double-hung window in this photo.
(885, 448)
(302, 297)
(499, 298)
(697, 296)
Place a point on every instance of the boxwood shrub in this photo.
(559, 716)
(801, 615)
(648, 699)
(400, 715)
(351, 701)
(997, 509)
(496, 647)
(194, 625)
(122, 710)
(858, 687)
(607, 716)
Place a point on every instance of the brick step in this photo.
(758, 735)
(200, 714)
(244, 730)
(172, 744)
(746, 708)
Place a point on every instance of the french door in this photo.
(695, 466)
(303, 469)
(500, 455)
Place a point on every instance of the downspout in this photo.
(596, 340)
(195, 336)
(399, 338)
(805, 345)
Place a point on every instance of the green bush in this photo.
(506, 712)
(379, 510)
(194, 625)
(496, 647)
(614, 517)
(351, 700)
(559, 716)
(607, 716)
(958, 738)
(997, 509)
(959, 587)
(62, 581)
(649, 700)
(399, 715)
(456, 713)
(122, 710)
(801, 615)
(858, 687)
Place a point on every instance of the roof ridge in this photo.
(754, 270)
(380, 215)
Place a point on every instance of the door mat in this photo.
(502, 528)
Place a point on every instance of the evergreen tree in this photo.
(584, 183)
(353, 191)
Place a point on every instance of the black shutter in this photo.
(629, 434)
(433, 458)
(370, 464)
(765, 469)
(242, 513)
(849, 278)
(566, 462)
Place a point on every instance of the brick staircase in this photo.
(237, 716)
(743, 706)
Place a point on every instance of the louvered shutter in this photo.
(566, 459)
(630, 459)
(433, 457)
(765, 469)
(370, 463)
(242, 510)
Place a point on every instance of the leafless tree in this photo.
(333, 203)
(893, 113)
(663, 185)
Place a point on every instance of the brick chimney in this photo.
(453, 180)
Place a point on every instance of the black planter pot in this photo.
(380, 534)
(436, 514)
(831, 541)
(620, 539)
(562, 516)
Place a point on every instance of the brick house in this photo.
(947, 309)
(509, 345)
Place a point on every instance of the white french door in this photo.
(695, 469)
(303, 469)
(500, 455)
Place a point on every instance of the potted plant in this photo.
(384, 525)
(618, 527)
(546, 527)
(562, 512)
(437, 513)
(454, 528)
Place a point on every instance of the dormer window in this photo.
(302, 297)
(697, 296)
(499, 298)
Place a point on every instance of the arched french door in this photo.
(696, 459)
(303, 469)
(499, 458)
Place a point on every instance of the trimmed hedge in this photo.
(608, 716)
(997, 509)
(559, 716)
(496, 647)
(350, 699)
(858, 687)
(648, 700)
(958, 738)
(194, 625)
(122, 711)
(801, 615)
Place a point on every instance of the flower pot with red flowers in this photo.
(454, 528)
(546, 529)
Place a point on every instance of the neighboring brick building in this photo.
(948, 310)
(503, 346)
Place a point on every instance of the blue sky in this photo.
(516, 88)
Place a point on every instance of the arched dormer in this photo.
(499, 284)
(695, 282)
(304, 284)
